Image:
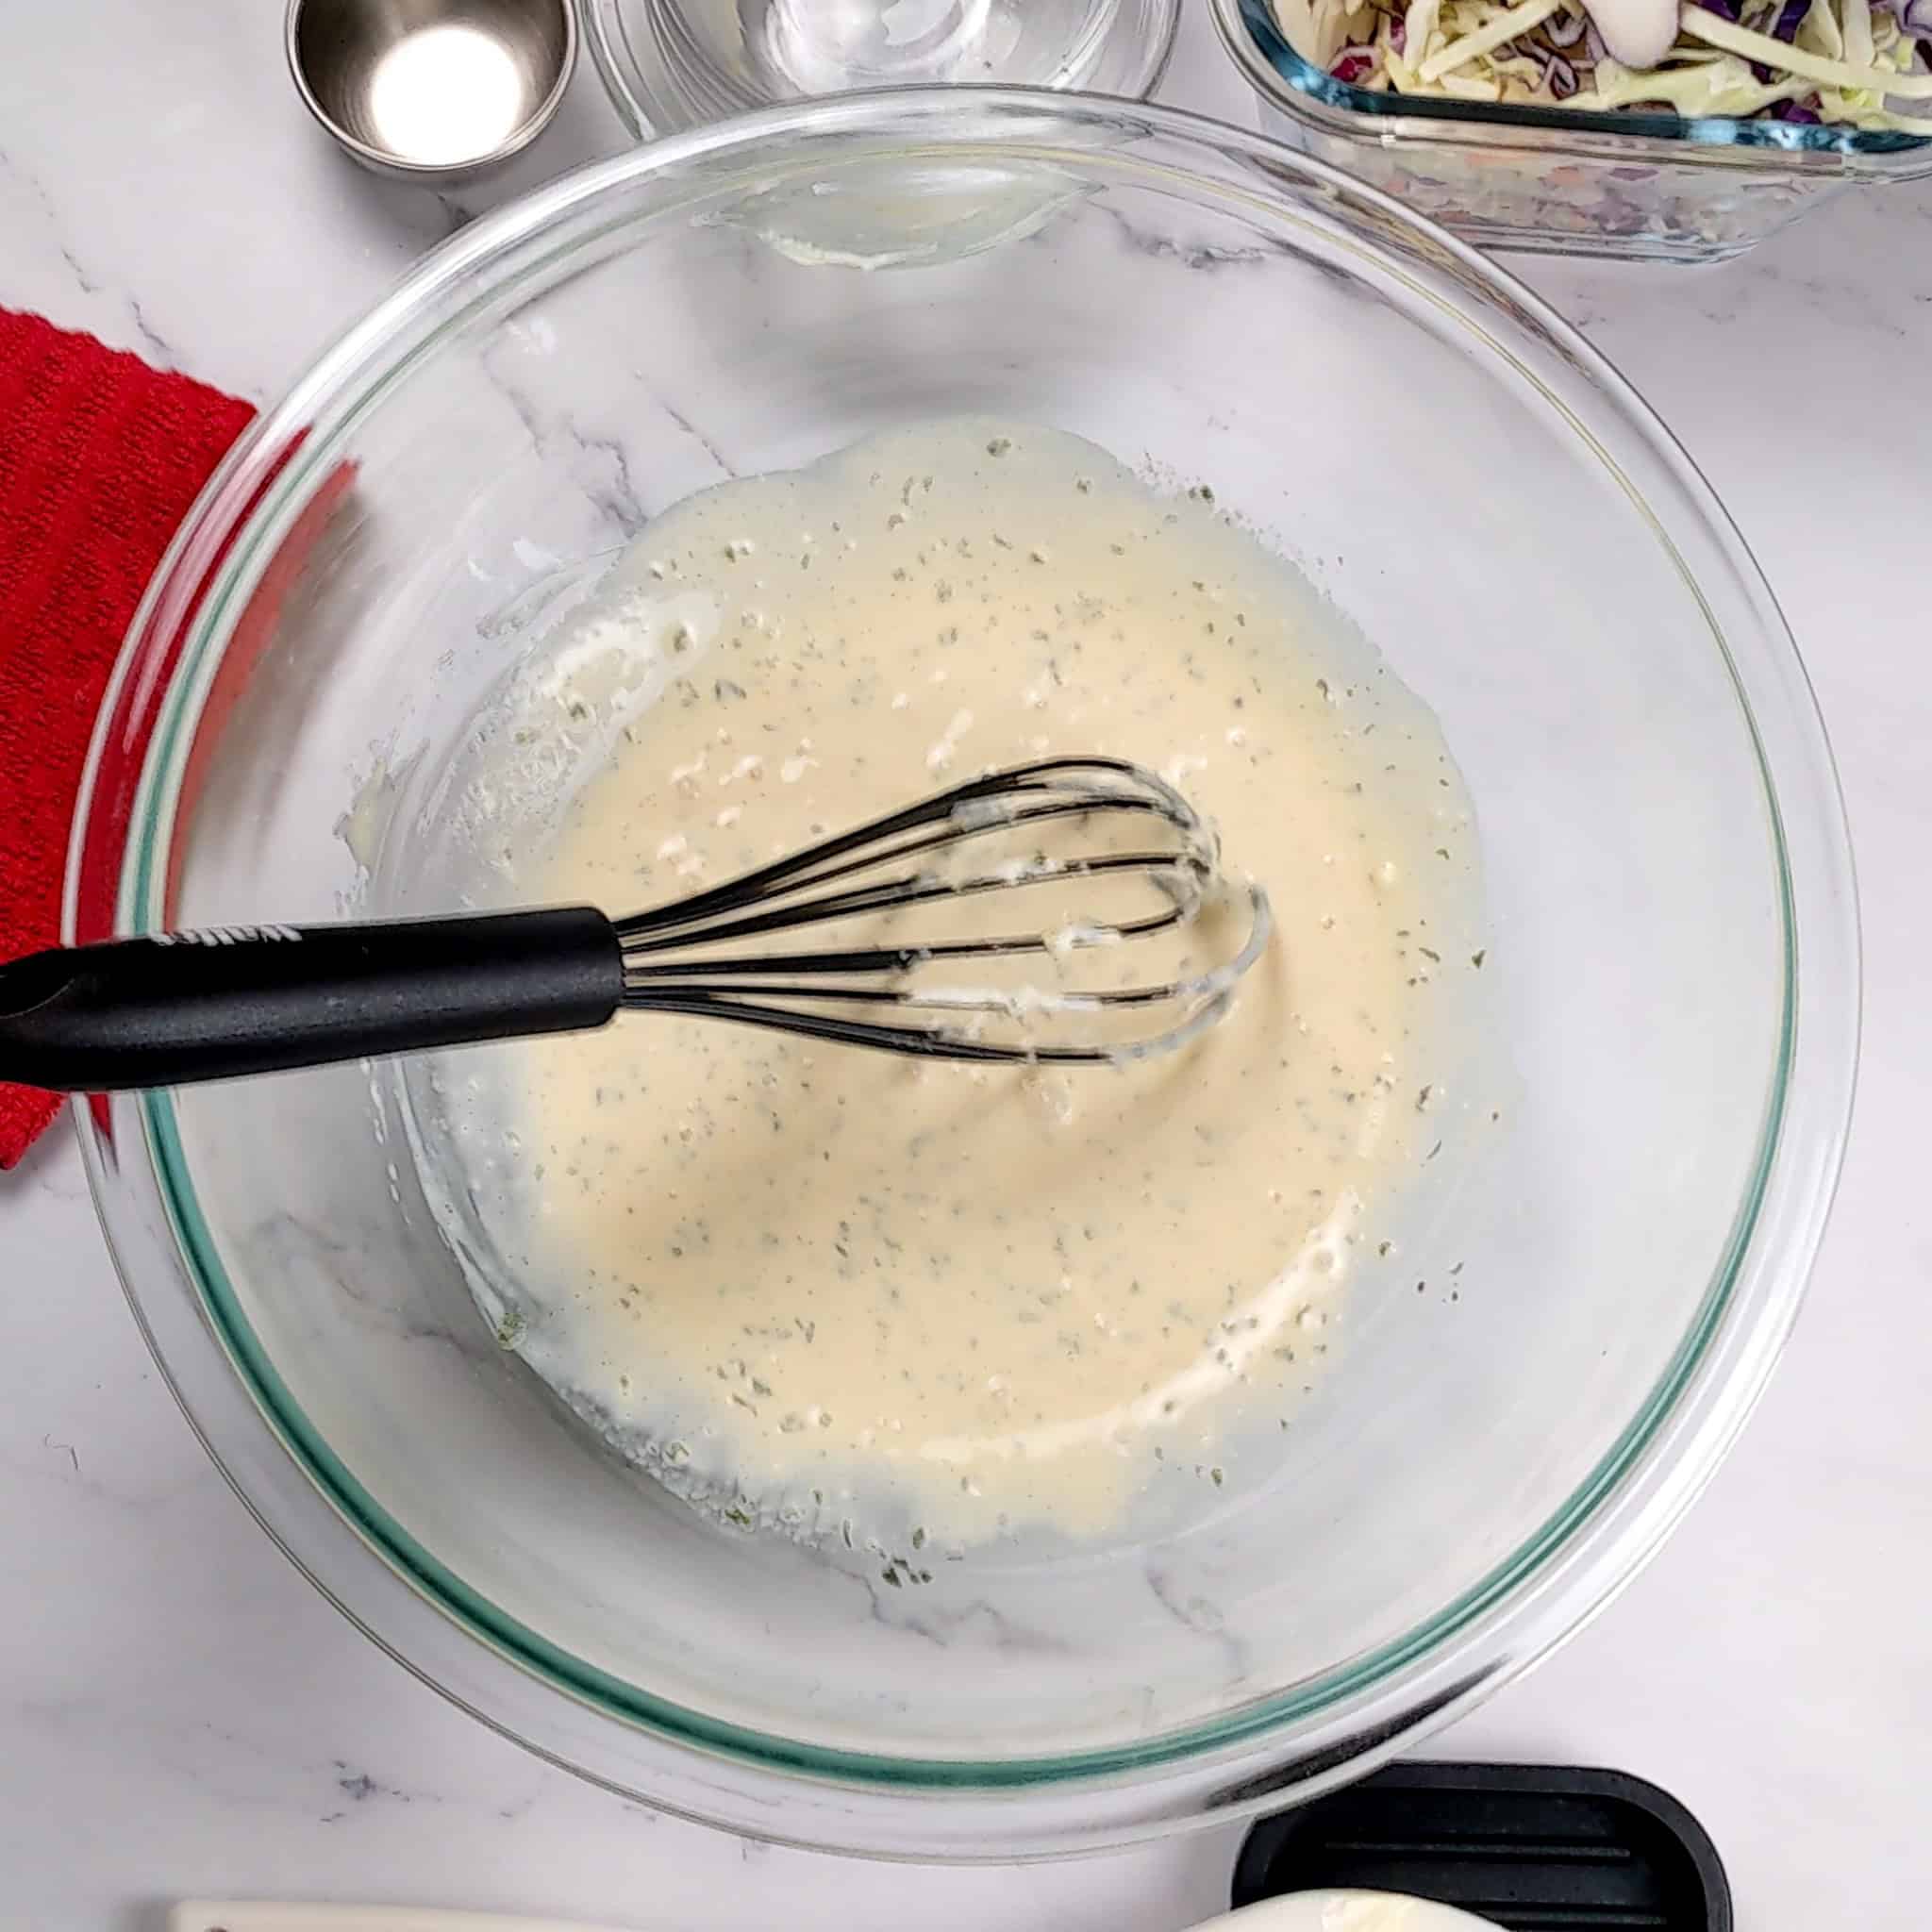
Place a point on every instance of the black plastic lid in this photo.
(1534, 1848)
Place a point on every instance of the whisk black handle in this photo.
(211, 1006)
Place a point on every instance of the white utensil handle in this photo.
(1302, 1911)
(238, 1915)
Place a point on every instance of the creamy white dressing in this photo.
(825, 1287)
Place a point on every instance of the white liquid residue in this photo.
(446, 94)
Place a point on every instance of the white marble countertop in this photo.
(181, 1714)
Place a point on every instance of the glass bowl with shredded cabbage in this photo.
(1636, 128)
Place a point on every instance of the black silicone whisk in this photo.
(173, 1007)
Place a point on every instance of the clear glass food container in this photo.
(1632, 187)
(1519, 1407)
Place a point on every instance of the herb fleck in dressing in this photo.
(811, 1284)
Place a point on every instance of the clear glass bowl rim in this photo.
(1343, 1724)
(1300, 87)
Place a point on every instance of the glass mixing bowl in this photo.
(1674, 950)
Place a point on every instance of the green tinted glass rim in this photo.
(306, 470)
(1692, 130)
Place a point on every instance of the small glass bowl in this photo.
(671, 64)
(1632, 187)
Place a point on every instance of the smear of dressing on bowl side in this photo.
(839, 1289)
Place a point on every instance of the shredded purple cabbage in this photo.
(1914, 16)
(1567, 48)
(1791, 17)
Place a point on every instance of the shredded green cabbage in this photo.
(1842, 61)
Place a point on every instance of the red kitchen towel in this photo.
(100, 457)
